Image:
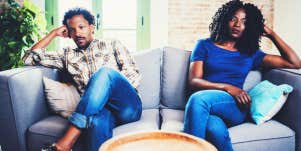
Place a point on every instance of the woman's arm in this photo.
(196, 82)
(288, 58)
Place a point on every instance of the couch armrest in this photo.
(22, 103)
(290, 113)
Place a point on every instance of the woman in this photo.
(219, 66)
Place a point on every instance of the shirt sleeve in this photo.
(258, 58)
(128, 66)
(47, 59)
(198, 52)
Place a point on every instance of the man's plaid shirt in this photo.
(81, 64)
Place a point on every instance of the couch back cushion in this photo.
(252, 79)
(175, 67)
(149, 62)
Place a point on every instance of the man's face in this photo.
(80, 31)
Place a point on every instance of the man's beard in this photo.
(84, 46)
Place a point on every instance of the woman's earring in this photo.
(216, 37)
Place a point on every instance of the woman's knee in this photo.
(197, 100)
(207, 98)
(216, 128)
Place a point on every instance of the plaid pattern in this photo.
(81, 64)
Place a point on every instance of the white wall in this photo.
(39, 3)
(159, 23)
(287, 22)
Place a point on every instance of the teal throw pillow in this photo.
(267, 100)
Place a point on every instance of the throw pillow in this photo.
(62, 98)
(267, 100)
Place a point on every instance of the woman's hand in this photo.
(241, 96)
(267, 31)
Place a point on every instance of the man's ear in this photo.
(68, 29)
(92, 28)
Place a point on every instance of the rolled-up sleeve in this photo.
(128, 66)
(41, 57)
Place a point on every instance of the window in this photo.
(125, 20)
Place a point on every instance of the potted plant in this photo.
(18, 31)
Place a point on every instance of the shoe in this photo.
(50, 148)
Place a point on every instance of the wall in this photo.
(159, 23)
(189, 20)
(287, 22)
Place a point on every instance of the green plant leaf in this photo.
(18, 31)
(12, 44)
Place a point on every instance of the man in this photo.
(104, 73)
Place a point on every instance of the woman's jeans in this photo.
(109, 100)
(208, 113)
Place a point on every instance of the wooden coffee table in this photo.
(156, 141)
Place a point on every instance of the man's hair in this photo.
(79, 11)
(248, 43)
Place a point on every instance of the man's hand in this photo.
(61, 31)
(241, 96)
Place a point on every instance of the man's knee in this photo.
(130, 114)
(104, 71)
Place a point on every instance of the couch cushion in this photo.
(47, 131)
(62, 98)
(51, 128)
(149, 62)
(174, 77)
(149, 121)
(271, 135)
(172, 120)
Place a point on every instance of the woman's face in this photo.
(237, 24)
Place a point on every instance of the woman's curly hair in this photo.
(79, 11)
(248, 43)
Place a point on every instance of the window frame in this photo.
(142, 29)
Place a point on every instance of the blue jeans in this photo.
(208, 115)
(109, 100)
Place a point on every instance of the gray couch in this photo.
(27, 124)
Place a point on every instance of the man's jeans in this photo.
(109, 100)
(208, 113)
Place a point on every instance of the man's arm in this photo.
(129, 67)
(38, 56)
(60, 31)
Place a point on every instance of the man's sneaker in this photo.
(49, 148)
